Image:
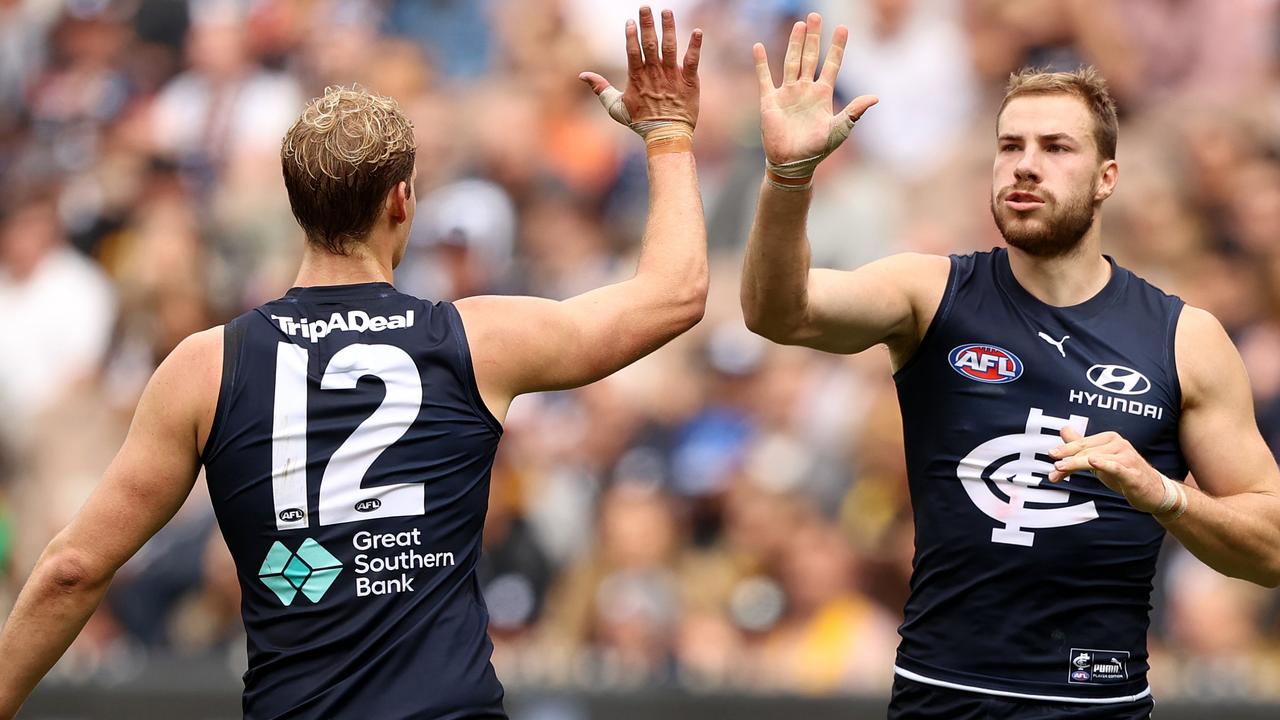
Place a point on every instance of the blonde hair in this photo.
(1085, 83)
(346, 151)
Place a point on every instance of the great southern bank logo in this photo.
(985, 363)
(310, 571)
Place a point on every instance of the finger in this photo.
(692, 55)
(812, 46)
(597, 82)
(763, 73)
(1073, 464)
(648, 36)
(1111, 465)
(634, 59)
(1075, 442)
(1070, 434)
(795, 45)
(668, 39)
(835, 56)
(859, 105)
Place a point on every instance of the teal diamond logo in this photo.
(310, 571)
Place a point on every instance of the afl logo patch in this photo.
(1119, 379)
(985, 363)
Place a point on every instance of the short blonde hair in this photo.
(346, 151)
(1085, 83)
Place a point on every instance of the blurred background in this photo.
(724, 518)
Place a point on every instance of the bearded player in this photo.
(1053, 404)
(348, 430)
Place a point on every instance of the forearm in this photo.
(672, 268)
(53, 607)
(775, 273)
(1237, 535)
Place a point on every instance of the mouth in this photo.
(1022, 201)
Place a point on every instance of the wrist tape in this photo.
(661, 135)
(798, 174)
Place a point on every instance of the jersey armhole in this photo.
(469, 373)
(1171, 352)
(232, 344)
(939, 317)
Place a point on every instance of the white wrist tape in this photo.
(654, 132)
(798, 174)
(1170, 496)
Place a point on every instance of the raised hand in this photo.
(661, 98)
(796, 120)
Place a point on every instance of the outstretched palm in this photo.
(796, 121)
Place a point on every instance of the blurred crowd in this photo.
(725, 514)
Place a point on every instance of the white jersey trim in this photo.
(1028, 696)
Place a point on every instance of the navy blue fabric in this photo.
(917, 701)
(1018, 584)
(408, 642)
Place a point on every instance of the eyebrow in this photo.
(1051, 137)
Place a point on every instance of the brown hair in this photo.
(347, 150)
(1085, 83)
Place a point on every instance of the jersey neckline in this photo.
(1087, 309)
(347, 290)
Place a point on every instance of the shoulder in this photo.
(188, 381)
(1207, 360)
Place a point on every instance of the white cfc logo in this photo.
(1017, 470)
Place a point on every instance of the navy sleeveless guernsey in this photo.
(1021, 587)
(348, 466)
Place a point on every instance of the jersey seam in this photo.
(940, 316)
(469, 373)
(232, 348)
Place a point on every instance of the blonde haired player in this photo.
(347, 430)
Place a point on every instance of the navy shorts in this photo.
(917, 701)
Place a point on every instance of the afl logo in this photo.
(1119, 379)
(369, 505)
(291, 514)
(986, 363)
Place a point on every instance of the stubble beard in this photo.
(1051, 235)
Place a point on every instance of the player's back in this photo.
(348, 464)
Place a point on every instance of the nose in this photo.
(1027, 170)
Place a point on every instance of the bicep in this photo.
(153, 472)
(1219, 435)
(887, 301)
(529, 344)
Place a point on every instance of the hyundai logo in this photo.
(1119, 379)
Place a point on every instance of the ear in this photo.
(1108, 176)
(398, 202)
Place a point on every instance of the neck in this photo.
(1065, 280)
(363, 265)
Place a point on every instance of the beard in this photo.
(1056, 231)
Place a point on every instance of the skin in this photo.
(518, 345)
(1045, 146)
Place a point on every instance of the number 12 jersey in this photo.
(348, 465)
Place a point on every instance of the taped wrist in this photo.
(798, 174)
(661, 135)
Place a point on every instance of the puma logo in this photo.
(1056, 343)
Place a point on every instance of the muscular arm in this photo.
(522, 344)
(144, 486)
(1233, 522)
(890, 301)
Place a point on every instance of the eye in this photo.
(1055, 148)
(1008, 147)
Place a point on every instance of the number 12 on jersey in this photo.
(343, 498)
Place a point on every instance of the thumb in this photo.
(597, 82)
(859, 105)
